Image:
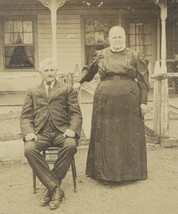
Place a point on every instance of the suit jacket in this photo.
(62, 106)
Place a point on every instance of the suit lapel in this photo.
(42, 91)
(54, 90)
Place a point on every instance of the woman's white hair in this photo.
(116, 28)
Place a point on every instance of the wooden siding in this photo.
(68, 40)
(1, 48)
(44, 37)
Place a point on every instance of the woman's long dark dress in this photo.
(117, 149)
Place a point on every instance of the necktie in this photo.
(49, 88)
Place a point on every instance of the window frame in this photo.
(94, 45)
(137, 34)
(34, 45)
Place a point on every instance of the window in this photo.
(140, 38)
(172, 38)
(96, 33)
(19, 44)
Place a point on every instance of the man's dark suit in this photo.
(62, 106)
(62, 110)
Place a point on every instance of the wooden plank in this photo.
(45, 31)
(69, 31)
(67, 51)
(69, 36)
(68, 26)
(69, 45)
(70, 21)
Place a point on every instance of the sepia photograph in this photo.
(89, 106)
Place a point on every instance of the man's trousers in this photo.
(67, 149)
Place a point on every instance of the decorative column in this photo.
(161, 125)
(53, 6)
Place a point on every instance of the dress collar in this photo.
(117, 50)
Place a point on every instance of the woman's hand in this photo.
(69, 133)
(144, 109)
(77, 86)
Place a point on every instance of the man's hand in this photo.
(69, 133)
(30, 136)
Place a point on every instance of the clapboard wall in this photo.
(68, 40)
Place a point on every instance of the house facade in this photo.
(26, 33)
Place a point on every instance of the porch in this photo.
(65, 31)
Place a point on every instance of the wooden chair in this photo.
(50, 155)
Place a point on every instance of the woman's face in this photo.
(117, 38)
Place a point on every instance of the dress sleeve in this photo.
(89, 71)
(143, 77)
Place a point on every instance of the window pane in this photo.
(9, 26)
(99, 37)
(17, 34)
(9, 38)
(98, 25)
(147, 28)
(148, 50)
(28, 39)
(18, 26)
(27, 26)
(131, 28)
(96, 34)
(9, 51)
(139, 40)
(133, 47)
(132, 40)
(89, 28)
(18, 38)
(139, 28)
(90, 38)
(140, 49)
(147, 39)
(107, 26)
(19, 57)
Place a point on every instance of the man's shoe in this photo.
(57, 197)
(46, 198)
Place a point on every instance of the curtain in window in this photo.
(29, 54)
(9, 55)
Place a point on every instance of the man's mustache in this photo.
(50, 75)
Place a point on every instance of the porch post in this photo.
(161, 98)
(164, 85)
(53, 6)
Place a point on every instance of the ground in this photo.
(156, 195)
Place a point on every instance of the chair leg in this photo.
(34, 182)
(74, 174)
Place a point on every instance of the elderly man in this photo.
(50, 116)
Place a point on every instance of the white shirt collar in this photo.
(47, 86)
(52, 84)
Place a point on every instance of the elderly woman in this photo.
(117, 149)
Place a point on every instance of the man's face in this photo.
(48, 74)
(117, 38)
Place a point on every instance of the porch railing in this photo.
(165, 106)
